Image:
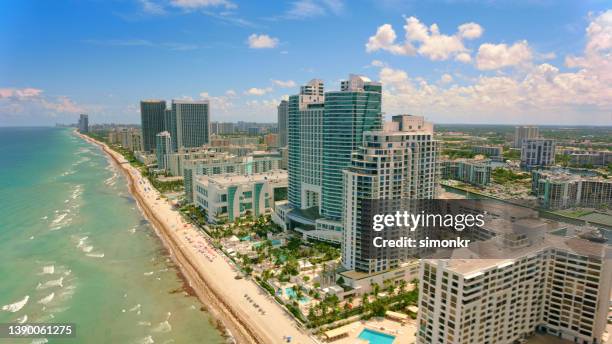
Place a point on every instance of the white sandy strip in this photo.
(219, 274)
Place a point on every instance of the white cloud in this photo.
(303, 9)
(377, 63)
(254, 91)
(496, 56)
(151, 7)
(219, 104)
(262, 41)
(18, 103)
(470, 30)
(543, 92)
(195, 4)
(463, 57)
(384, 39)
(446, 78)
(596, 60)
(426, 41)
(286, 84)
(230, 93)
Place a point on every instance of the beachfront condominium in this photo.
(170, 127)
(396, 163)
(152, 121)
(350, 112)
(305, 145)
(556, 285)
(226, 197)
(83, 123)
(525, 132)
(537, 153)
(163, 144)
(192, 122)
(282, 113)
(323, 130)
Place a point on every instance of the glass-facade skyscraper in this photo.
(283, 113)
(192, 122)
(356, 108)
(152, 121)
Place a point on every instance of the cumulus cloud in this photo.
(255, 91)
(219, 104)
(262, 41)
(286, 84)
(196, 4)
(18, 103)
(546, 92)
(384, 39)
(446, 78)
(596, 60)
(424, 40)
(496, 56)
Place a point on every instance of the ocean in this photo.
(74, 248)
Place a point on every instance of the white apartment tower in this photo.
(560, 286)
(391, 164)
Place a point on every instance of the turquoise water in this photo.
(291, 293)
(74, 248)
(375, 337)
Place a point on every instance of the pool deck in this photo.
(404, 334)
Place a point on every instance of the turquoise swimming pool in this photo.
(375, 337)
(291, 293)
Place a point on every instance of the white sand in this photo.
(210, 273)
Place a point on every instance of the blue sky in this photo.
(542, 62)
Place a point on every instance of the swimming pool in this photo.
(291, 293)
(375, 337)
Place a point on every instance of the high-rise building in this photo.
(537, 152)
(163, 149)
(152, 120)
(395, 163)
(525, 132)
(83, 123)
(323, 129)
(305, 146)
(350, 112)
(283, 114)
(192, 123)
(170, 126)
(558, 286)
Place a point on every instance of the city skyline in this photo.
(454, 62)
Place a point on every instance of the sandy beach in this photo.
(248, 312)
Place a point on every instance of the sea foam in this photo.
(16, 306)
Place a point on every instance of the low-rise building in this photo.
(229, 196)
(588, 157)
(471, 171)
(490, 151)
(562, 190)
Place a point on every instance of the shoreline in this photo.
(208, 277)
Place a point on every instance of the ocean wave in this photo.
(164, 326)
(39, 341)
(48, 270)
(47, 299)
(146, 340)
(95, 255)
(50, 284)
(144, 323)
(16, 306)
(135, 308)
(87, 249)
(22, 319)
(148, 273)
